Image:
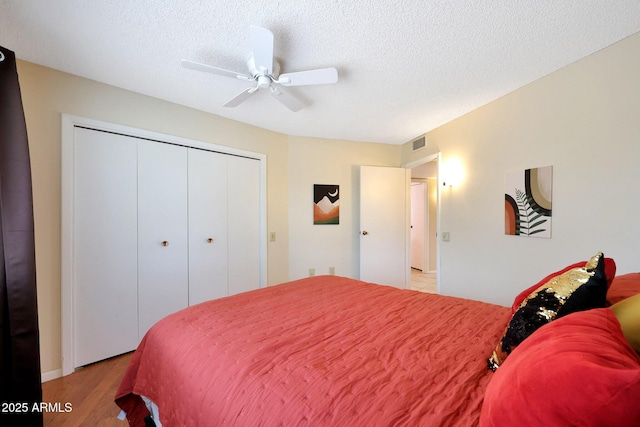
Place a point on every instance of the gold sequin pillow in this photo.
(580, 288)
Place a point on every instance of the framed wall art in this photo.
(326, 204)
(527, 202)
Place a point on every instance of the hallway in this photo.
(424, 282)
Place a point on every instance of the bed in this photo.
(331, 351)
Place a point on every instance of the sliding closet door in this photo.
(244, 224)
(105, 295)
(162, 232)
(208, 276)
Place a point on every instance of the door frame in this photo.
(409, 165)
(69, 122)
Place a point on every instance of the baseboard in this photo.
(51, 375)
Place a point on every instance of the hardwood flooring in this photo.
(90, 391)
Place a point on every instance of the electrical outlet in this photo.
(312, 272)
(332, 271)
(446, 236)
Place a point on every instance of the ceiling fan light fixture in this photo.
(264, 71)
(264, 81)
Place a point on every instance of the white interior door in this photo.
(244, 224)
(432, 235)
(163, 277)
(384, 225)
(105, 299)
(418, 225)
(208, 277)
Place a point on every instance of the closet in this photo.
(156, 226)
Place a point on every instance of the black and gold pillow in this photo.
(581, 288)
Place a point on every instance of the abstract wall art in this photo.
(326, 204)
(527, 202)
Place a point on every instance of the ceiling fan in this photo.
(264, 72)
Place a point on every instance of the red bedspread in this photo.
(323, 351)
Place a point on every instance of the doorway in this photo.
(424, 225)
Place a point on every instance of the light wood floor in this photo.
(90, 390)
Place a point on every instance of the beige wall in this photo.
(321, 161)
(584, 121)
(47, 94)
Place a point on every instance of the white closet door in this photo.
(105, 297)
(244, 224)
(162, 232)
(208, 277)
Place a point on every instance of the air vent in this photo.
(419, 143)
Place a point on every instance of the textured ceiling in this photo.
(405, 66)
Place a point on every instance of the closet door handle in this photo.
(209, 240)
(165, 243)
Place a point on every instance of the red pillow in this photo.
(609, 271)
(623, 287)
(577, 370)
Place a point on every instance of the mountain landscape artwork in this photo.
(326, 204)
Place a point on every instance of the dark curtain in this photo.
(20, 380)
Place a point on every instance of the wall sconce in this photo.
(452, 173)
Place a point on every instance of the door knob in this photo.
(365, 232)
(209, 240)
(165, 243)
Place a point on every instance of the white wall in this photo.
(584, 121)
(321, 161)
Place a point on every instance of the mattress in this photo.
(319, 351)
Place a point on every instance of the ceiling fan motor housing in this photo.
(256, 72)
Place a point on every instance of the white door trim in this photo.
(69, 122)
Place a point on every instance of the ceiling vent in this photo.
(419, 143)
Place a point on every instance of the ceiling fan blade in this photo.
(241, 97)
(321, 76)
(215, 70)
(288, 100)
(262, 45)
